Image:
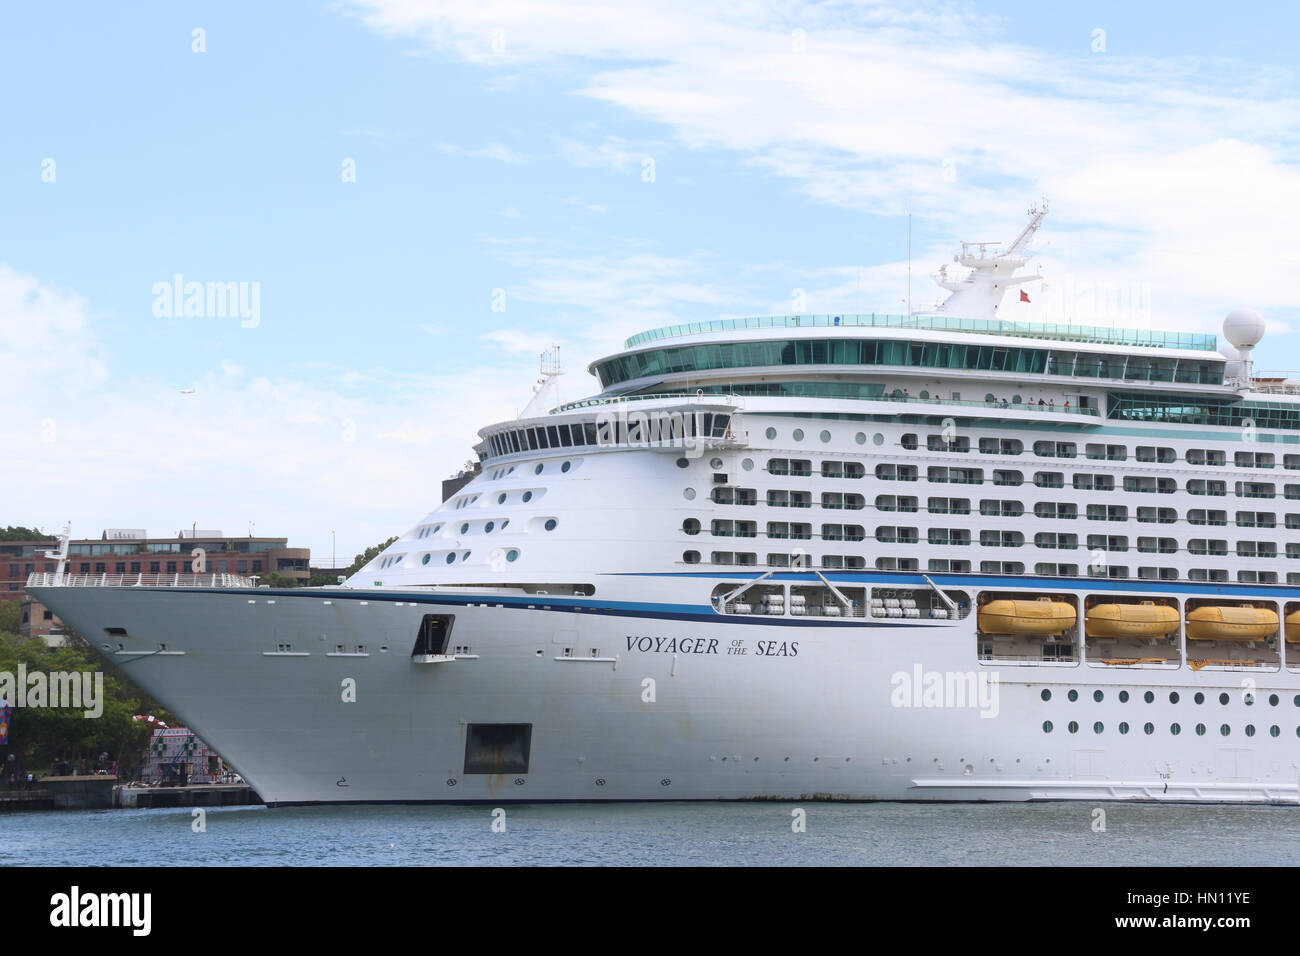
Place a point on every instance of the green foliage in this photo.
(366, 557)
(277, 580)
(39, 737)
(19, 533)
(11, 616)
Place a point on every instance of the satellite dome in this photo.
(1243, 328)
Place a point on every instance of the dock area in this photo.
(100, 792)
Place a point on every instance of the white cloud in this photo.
(595, 208)
(494, 151)
(1181, 173)
(298, 456)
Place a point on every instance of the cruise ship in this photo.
(942, 556)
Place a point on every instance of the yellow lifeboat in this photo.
(1226, 622)
(1036, 618)
(1147, 619)
(1293, 627)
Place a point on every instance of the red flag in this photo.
(1024, 296)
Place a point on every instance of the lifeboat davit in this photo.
(1293, 627)
(1147, 619)
(1035, 618)
(1231, 622)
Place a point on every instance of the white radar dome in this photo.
(1243, 328)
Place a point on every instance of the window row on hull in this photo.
(1093, 569)
(625, 428)
(901, 353)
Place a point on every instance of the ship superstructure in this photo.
(842, 556)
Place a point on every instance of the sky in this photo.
(412, 200)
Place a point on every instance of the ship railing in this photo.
(214, 579)
(1036, 330)
(713, 399)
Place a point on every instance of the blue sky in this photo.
(497, 148)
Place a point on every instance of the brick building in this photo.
(132, 551)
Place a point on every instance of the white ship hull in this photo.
(741, 709)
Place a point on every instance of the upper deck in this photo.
(1085, 334)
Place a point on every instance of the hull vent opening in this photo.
(498, 748)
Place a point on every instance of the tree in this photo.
(10, 616)
(277, 580)
(367, 556)
(43, 737)
(19, 533)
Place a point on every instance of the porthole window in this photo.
(538, 469)
(797, 434)
(1123, 726)
(1249, 698)
(770, 433)
(1200, 730)
(1173, 697)
(1097, 696)
(860, 438)
(425, 559)
(464, 529)
(1225, 730)
(1223, 699)
(1199, 698)
(691, 526)
(825, 436)
(715, 464)
(1273, 700)
(1250, 730)
(1274, 731)
(528, 496)
(683, 463)
(1073, 727)
(512, 555)
(1149, 697)
(566, 466)
(487, 528)
(1175, 729)
(688, 494)
(1073, 695)
(1123, 697)
(1047, 726)
(1098, 727)
(504, 523)
(877, 439)
(451, 558)
(550, 524)
(1046, 694)
(1297, 700)
(501, 498)
(747, 464)
(465, 556)
(1148, 728)
(691, 557)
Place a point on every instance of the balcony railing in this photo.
(209, 580)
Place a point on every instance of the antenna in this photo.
(909, 262)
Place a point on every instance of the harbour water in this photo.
(689, 834)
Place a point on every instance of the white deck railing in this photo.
(175, 580)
